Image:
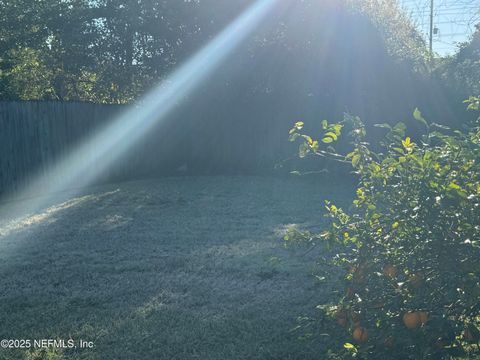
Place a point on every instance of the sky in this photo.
(454, 19)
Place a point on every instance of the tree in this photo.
(114, 50)
(409, 246)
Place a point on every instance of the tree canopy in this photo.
(111, 51)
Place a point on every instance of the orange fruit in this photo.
(360, 334)
(412, 320)
(390, 271)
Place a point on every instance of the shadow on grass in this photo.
(169, 269)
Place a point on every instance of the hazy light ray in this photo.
(12, 226)
(89, 160)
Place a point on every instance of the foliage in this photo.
(460, 73)
(103, 51)
(410, 244)
(403, 40)
(113, 51)
(28, 76)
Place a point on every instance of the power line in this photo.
(443, 19)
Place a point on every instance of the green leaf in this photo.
(454, 186)
(337, 128)
(375, 167)
(418, 116)
(303, 150)
(327, 140)
(299, 125)
(407, 143)
(332, 135)
(308, 138)
(417, 160)
(355, 160)
(293, 137)
(350, 347)
(399, 129)
(383, 126)
(440, 126)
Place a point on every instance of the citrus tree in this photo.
(409, 247)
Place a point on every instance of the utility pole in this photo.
(431, 29)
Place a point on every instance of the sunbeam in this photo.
(89, 160)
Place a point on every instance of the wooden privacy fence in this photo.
(203, 137)
(34, 134)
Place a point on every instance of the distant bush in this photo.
(409, 247)
(460, 74)
(402, 39)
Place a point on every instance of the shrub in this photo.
(409, 246)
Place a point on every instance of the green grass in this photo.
(184, 268)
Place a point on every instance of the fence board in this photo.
(34, 134)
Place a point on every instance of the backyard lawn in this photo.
(174, 268)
